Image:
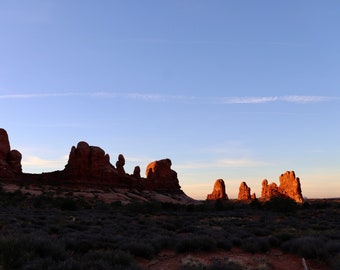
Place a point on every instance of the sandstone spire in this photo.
(219, 191)
(244, 192)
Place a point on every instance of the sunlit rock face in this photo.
(244, 192)
(289, 187)
(10, 160)
(160, 176)
(219, 191)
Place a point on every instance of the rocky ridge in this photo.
(90, 167)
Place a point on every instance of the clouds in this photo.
(34, 164)
(270, 99)
(224, 163)
(301, 99)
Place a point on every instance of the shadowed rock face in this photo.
(89, 166)
(4, 145)
(89, 163)
(218, 192)
(10, 160)
(289, 187)
(244, 192)
(160, 176)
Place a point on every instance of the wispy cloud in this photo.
(38, 95)
(268, 99)
(177, 98)
(224, 163)
(247, 100)
(37, 164)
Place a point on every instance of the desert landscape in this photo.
(93, 215)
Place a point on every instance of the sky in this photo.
(237, 90)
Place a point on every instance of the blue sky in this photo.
(238, 90)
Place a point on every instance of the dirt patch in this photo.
(274, 259)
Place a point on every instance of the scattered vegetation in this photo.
(53, 232)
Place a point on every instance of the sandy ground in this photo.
(274, 259)
(125, 196)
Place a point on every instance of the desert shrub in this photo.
(114, 258)
(335, 262)
(281, 204)
(196, 243)
(262, 232)
(224, 243)
(221, 265)
(42, 201)
(256, 204)
(255, 245)
(333, 247)
(274, 241)
(66, 203)
(284, 236)
(140, 249)
(236, 241)
(17, 251)
(162, 242)
(309, 247)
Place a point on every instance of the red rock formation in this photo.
(244, 192)
(4, 145)
(253, 196)
(10, 160)
(89, 163)
(136, 172)
(120, 165)
(269, 191)
(219, 191)
(160, 176)
(89, 166)
(289, 187)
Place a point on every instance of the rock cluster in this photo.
(10, 160)
(90, 166)
(219, 191)
(289, 187)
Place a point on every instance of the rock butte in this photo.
(218, 192)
